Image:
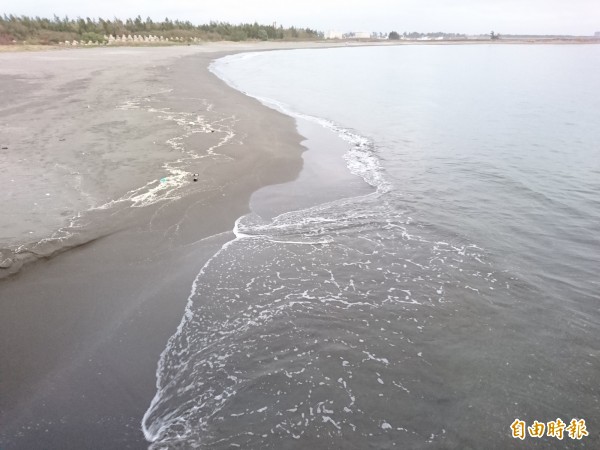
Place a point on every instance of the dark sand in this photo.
(81, 330)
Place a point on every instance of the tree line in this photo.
(36, 30)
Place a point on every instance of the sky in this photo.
(576, 17)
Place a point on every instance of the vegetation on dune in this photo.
(36, 30)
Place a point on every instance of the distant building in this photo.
(334, 35)
(362, 35)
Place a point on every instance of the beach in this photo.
(351, 248)
(103, 256)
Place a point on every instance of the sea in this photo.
(432, 278)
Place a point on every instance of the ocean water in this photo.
(449, 289)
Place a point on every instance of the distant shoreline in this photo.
(317, 43)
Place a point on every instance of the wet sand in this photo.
(86, 314)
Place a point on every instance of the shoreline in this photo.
(82, 329)
(575, 40)
(87, 326)
(59, 171)
(61, 231)
(325, 177)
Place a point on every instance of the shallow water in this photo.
(457, 294)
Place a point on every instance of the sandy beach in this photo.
(100, 148)
(123, 171)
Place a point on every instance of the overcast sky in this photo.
(579, 17)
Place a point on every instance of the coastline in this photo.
(82, 329)
(252, 45)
